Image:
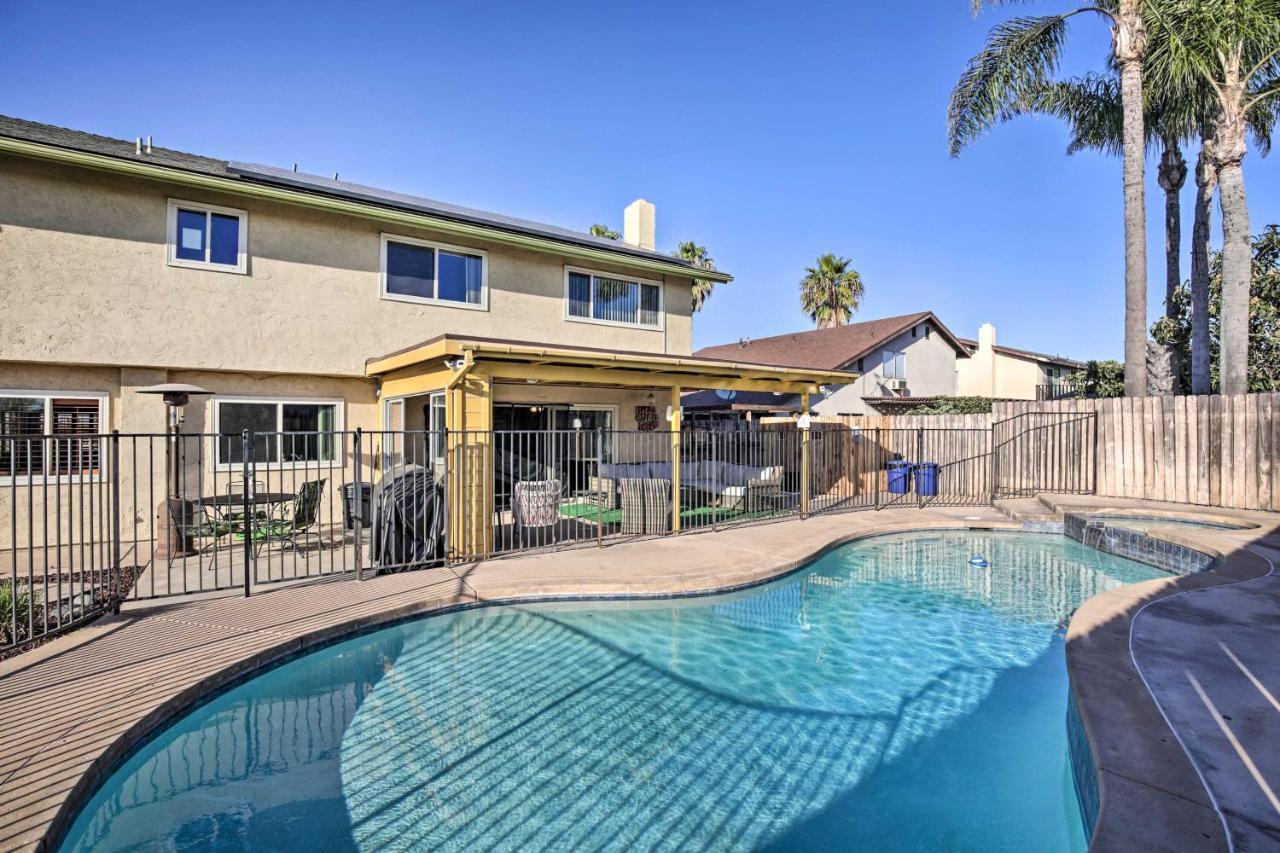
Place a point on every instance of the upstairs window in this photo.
(603, 298)
(207, 237)
(418, 271)
(894, 365)
(50, 434)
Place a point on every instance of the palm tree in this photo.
(1233, 47)
(1206, 183)
(1020, 57)
(697, 255)
(604, 231)
(1091, 105)
(830, 291)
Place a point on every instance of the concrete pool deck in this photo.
(75, 706)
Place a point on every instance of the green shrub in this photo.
(953, 406)
(7, 604)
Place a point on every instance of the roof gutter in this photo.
(377, 213)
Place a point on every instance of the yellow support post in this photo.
(804, 454)
(675, 458)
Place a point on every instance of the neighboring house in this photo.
(1006, 373)
(309, 304)
(910, 356)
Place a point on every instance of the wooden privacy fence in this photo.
(1216, 450)
(1211, 450)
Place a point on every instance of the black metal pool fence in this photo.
(89, 521)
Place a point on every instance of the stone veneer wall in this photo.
(1136, 545)
(1084, 774)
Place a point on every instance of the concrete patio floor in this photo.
(75, 706)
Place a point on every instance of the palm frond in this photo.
(1089, 104)
(1018, 61)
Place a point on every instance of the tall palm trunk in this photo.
(1237, 260)
(1206, 181)
(1130, 40)
(1172, 174)
(1237, 250)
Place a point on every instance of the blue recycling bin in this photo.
(899, 476)
(927, 479)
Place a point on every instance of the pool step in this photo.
(1029, 511)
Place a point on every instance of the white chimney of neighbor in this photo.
(984, 362)
(986, 336)
(638, 225)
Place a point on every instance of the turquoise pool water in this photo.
(890, 697)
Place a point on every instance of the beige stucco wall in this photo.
(70, 501)
(1000, 376)
(931, 371)
(84, 280)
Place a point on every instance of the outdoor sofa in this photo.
(732, 485)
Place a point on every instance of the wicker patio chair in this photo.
(646, 506)
(535, 504)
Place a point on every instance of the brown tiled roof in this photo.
(826, 349)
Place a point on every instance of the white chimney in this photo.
(638, 225)
(986, 336)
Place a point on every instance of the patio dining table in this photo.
(227, 504)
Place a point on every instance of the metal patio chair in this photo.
(190, 519)
(301, 517)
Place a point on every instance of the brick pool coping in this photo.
(76, 707)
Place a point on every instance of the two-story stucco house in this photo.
(308, 303)
(304, 304)
(910, 356)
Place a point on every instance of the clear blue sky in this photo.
(768, 132)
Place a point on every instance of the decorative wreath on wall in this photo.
(646, 418)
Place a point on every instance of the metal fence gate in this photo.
(1038, 452)
(87, 521)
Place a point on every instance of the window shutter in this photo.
(70, 419)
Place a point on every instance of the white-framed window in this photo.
(614, 300)
(208, 237)
(287, 432)
(436, 423)
(51, 433)
(893, 364)
(414, 270)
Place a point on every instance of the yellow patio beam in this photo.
(409, 382)
(521, 372)
(468, 362)
(804, 454)
(675, 458)
(677, 367)
(414, 356)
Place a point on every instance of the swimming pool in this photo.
(889, 697)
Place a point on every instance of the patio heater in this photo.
(176, 396)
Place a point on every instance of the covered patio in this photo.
(581, 425)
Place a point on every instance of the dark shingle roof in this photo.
(78, 140)
(972, 346)
(826, 349)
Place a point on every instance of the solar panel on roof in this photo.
(360, 192)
